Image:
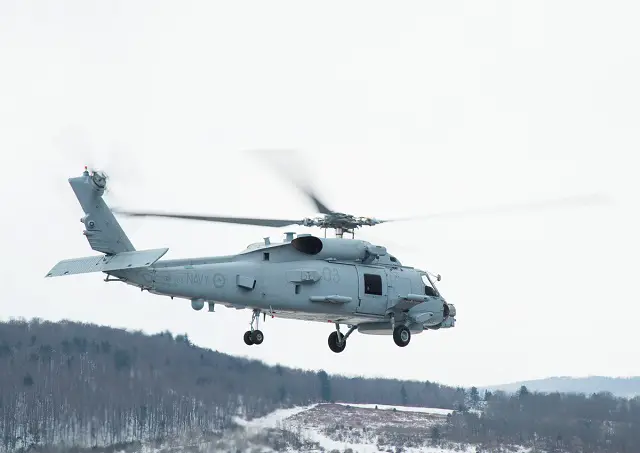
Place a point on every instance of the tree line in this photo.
(82, 385)
(74, 384)
(550, 422)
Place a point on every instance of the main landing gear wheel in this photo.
(401, 336)
(257, 337)
(254, 336)
(334, 345)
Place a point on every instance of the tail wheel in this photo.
(247, 338)
(333, 342)
(401, 336)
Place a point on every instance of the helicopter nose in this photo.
(449, 310)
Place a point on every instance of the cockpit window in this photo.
(429, 289)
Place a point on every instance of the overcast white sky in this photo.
(402, 108)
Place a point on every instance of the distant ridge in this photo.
(626, 387)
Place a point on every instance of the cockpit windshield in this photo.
(429, 288)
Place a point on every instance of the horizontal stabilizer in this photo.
(105, 263)
(334, 299)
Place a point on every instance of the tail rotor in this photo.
(111, 162)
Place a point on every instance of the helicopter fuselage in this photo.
(328, 280)
(343, 281)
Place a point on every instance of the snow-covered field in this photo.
(329, 428)
(425, 410)
(363, 428)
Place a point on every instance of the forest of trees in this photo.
(72, 384)
(551, 422)
(69, 383)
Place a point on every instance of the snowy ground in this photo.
(425, 410)
(328, 428)
(359, 427)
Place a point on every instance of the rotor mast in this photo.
(339, 232)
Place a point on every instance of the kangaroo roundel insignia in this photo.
(219, 280)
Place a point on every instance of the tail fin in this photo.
(103, 231)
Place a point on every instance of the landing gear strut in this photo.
(254, 336)
(338, 341)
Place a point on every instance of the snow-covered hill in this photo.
(326, 428)
(361, 428)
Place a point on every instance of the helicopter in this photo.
(344, 281)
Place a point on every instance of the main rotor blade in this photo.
(567, 202)
(290, 165)
(237, 220)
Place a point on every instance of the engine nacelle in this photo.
(339, 249)
(197, 304)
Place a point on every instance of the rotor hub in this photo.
(99, 179)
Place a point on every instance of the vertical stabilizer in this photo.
(102, 230)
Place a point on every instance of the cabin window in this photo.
(428, 288)
(373, 284)
(297, 289)
(266, 256)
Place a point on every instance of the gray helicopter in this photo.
(344, 281)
